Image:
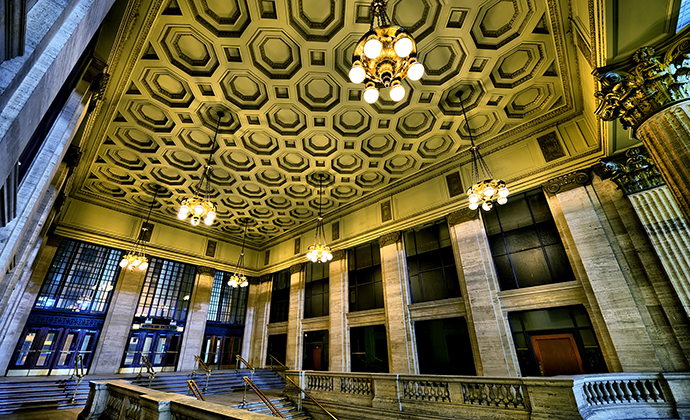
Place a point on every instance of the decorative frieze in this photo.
(462, 216)
(567, 182)
(338, 255)
(389, 238)
(265, 278)
(634, 172)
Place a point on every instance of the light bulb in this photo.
(184, 211)
(474, 206)
(403, 47)
(415, 71)
(474, 198)
(502, 200)
(397, 92)
(208, 221)
(143, 266)
(503, 192)
(372, 48)
(357, 74)
(195, 221)
(371, 94)
(233, 281)
(330, 256)
(136, 262)
(211, 215)
(245, 283)
(489, 191)
(324, 258)
(198, 209)
(487, 206)
(124, 263)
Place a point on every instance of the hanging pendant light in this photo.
(136, 258)
(384, 56)
(485, 188)
(319, 251)
(199, 206)
(238, 278)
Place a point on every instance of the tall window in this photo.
(364, 276)
(167, 289)
(683, 15)
(525, 244)
(228, 304)
(430, 263)
(316, 290)
(80, 279)
(280, 296)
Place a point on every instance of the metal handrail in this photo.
(310, 397)
(79, 373)
(263, 397)
(237, 365)
(149, 369)
(204, 366)
(279, 362)
(191, 385)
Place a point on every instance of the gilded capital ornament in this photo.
(206, 271)
(632, 92)
(338, 255)
(634, 172)
(296, 268)
(389, 238)
(567, 182)
(462, 216)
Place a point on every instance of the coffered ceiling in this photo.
(278, 71)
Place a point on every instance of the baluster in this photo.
(653, 393)
(634, 392)
(601, 399)
(625, 391)
(519, 398)
(644, 396)
(617, 394)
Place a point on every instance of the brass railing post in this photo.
(204, 366)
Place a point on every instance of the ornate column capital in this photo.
(389, 238)
(338, 255)
(206, 271)
(567, 182)
(462, 216)
(296, 268)
(633, 172)
(636, 89)
(265, 278)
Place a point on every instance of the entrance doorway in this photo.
(219, 350)
(557, 354)
(52, 350)
(162, 348)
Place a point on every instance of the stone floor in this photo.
(231, 399)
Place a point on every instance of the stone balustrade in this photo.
(621, 396)
(120, 400)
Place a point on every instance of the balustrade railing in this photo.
(354, 385)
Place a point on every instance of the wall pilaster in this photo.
(258, 309)
(493, 350)
(338, 335)
(113, 339)
(605, 274)
(402, 351)
(195, 325)
(293, 359)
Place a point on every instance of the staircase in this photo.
(285, 406)
(220, 382)
(48, 393)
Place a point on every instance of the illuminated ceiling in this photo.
(278, 70)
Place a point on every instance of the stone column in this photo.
(195, 325)
(113, 339)
(492, 344)
(14, 324)
(650, 93)
(402, 349)
(256, 331)
(603, 272)
(668, 231)
(338, 336)
(293, 359)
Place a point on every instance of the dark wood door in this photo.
(557, 354)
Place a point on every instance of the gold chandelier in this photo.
(238, 279)
(200, 205)
(319, 251)
(136, 258)
(485, 188)
(384, 56)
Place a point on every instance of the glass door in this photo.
(161, 348)
(53, 351)
(218, 351)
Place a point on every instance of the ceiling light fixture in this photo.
(239, 279)
(384, 56)
(319, 252)
(485, 187)
(200, 205)
(136, 258)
